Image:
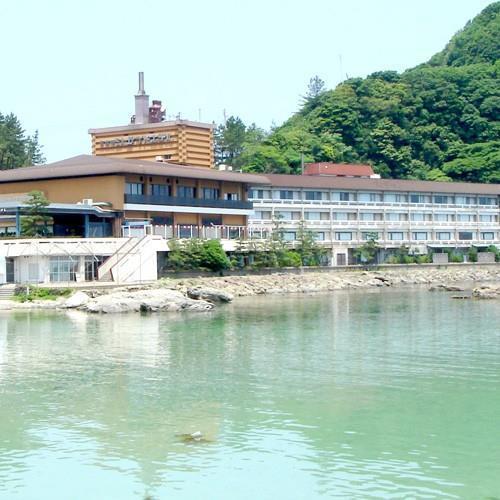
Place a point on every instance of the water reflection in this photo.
(354, 394)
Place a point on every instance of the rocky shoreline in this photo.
(203, 293)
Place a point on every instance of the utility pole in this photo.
(302, 162)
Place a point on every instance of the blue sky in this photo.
(68, 66)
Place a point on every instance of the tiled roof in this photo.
(89, 165)
(390, 185)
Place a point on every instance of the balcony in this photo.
(144, 199)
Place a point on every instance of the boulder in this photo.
(145, 300)
(486, 292)
(78, 299)
(209, 294)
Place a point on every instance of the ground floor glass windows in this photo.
(63, 268)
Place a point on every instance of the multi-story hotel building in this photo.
(343, 211)
(150, 137)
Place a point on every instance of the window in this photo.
(396, 236)
(210, 193)
(465, 235)
(288, 215)
(160, 189)
(345, 216)
(487, 218)
(314, 195)
(395, 198)
(33, 272)
(160, 220)
(369, 197)
(443, 235)
(417, 216)
(92, 263)
(231, 196)
(319, 236)
(488, 236)
(289, 236)
(266, 215)
(443, 217)
(211, 220)
(258, 194)
(312, 215)
(343, 236)
(286, 195)
(370, 216)
(465, 200)
(466, 217)
(344, 196)
(63, 268)
(419, 198)
(419, 236)
(134, 188)
(484, 200)
(438, 198)
(396, 216)
(186, 192)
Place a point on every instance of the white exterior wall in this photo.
(32, 257)
(396, 217)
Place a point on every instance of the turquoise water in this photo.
(392, 394)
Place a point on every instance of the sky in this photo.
(68, 66)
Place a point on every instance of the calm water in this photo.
(392, 394)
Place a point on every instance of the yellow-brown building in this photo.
(137, 193)
(150, 137)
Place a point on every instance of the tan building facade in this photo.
(140, 193)
(180, 141)
(150, 137)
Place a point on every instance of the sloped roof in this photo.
(89, 165)
(366, 184)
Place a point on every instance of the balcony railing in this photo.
(149, 199)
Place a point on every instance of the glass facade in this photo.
(63, 268)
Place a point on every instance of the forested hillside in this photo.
(438, 121)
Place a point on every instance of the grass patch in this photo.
(30, 293)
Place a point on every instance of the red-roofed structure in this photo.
(339, 169)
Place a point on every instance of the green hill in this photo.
(438, 121)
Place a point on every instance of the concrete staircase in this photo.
(7, 291)
(134, 261)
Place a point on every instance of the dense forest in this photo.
(16, 148)
(438, 121)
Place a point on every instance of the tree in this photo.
(229, 140)
(36, 220)
(16, 148)
(315, 88)
(311, 253)
(367, 253)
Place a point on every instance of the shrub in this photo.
(472, 254)
(197, 254)
(28, 293)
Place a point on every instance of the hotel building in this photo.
(344, 210)
(150, 137)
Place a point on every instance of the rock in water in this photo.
(210, 294)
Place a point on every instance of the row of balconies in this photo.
(150, 199)
(328, 203)
(378, 223)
